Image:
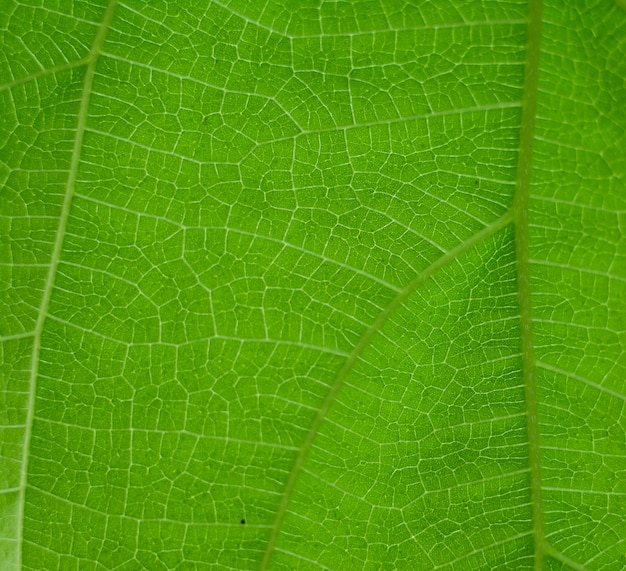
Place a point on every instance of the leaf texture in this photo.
(313, 285)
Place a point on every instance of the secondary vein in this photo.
(351, 360)
(81, 122)
(520, 210)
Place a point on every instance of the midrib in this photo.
(520, 212)
(81, 123)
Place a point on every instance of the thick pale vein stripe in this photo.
(520, 208)
(81, 122)
(351, 361)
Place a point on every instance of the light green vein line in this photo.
(520, 209)
(81, 123)
(364, 341)
(579, 378)
(45, 72)
(564, 559)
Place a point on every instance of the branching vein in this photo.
(351, 361)
(54, 260)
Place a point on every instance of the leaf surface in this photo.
(313, 285)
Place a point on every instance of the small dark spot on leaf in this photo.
(243, 521)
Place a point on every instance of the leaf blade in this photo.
(255, 186)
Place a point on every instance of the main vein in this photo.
(352, 358)
(81, 122)
(520, 210)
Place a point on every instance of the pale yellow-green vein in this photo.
(352, 358)
(81, 122)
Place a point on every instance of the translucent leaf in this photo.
(313, 285)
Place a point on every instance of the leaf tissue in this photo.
(313, 284)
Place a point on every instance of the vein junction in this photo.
(81, 123)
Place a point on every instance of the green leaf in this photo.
(313, 285)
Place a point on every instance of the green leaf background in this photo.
(313, 284)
